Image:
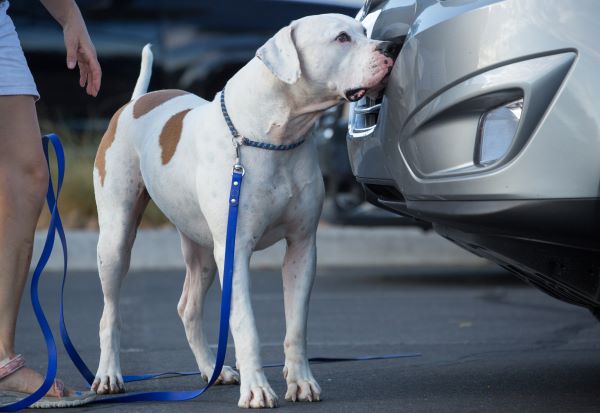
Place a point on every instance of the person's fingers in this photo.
(83, 73)
(90, 72)
(90, 88)
(71, 46)
(94, 75)
(96, 79)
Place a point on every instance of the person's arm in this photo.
(80, 50)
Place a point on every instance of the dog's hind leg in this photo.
(121, 198)
(200, 273)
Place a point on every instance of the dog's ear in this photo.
(280, 56)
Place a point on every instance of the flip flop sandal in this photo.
(9, 366)
(78, 398)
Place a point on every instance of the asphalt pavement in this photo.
(487, 343)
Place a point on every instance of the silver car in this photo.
(490, 129)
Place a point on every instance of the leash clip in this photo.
(237, 145)
(239, 169)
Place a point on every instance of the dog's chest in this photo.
(279, 200)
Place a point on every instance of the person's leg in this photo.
(23, 183)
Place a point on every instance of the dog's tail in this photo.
(141, 86)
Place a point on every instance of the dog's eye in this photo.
(343, 37)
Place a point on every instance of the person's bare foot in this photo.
(26, 380)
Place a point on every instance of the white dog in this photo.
(176, 148)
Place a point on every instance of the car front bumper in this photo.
(534, 210)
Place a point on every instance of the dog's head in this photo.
(331, 53)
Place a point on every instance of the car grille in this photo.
(363, 117)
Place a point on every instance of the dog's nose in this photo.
(388, 49)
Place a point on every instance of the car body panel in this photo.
(424, 78)
(535, 209)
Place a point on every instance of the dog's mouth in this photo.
(355, 94)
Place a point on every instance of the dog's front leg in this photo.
(200, 273)
(255, 391)
(299, 269)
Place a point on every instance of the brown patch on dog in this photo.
(170, 135)
(154, 99)
(107, 140)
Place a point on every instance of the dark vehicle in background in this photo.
(197, 46)
(490, 129)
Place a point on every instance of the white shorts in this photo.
(15, 77)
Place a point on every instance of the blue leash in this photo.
(55, 226)
(234, 197)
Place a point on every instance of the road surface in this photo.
(487, 343)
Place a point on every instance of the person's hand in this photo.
(81, 52)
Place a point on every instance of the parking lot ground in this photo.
(487, 343)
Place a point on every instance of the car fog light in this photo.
(496, 132)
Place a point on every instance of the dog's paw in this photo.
(110, 383)
(258, 398)
(256, 393)
(301, 385)
(227, 376)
